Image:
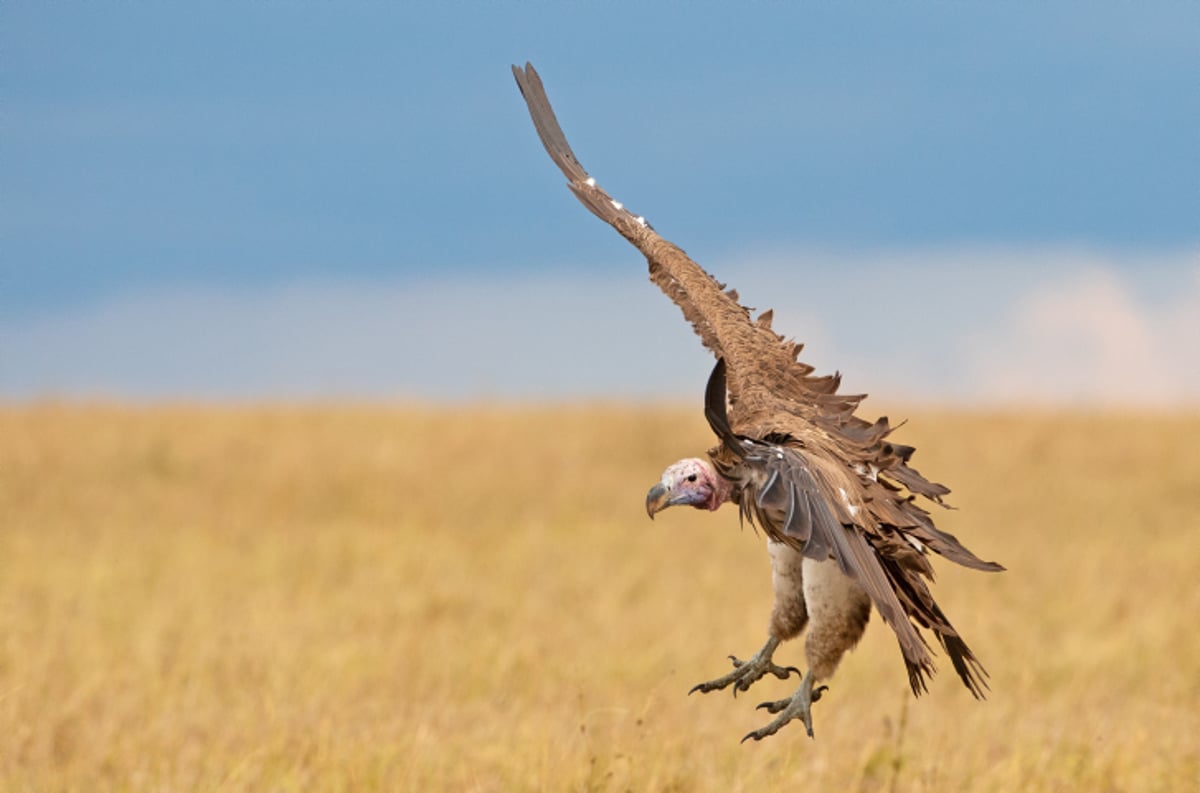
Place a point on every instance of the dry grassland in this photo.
(368, 598)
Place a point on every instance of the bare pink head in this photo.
(692, 482)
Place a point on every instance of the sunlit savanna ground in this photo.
(368, 598)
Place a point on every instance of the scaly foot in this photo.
(746, 673)
(797, 706)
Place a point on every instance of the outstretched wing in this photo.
(753, 350)
(768, 386)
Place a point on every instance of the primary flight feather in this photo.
(835, 498)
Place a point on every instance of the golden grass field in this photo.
(358, 598)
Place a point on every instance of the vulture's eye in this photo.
(692, 478)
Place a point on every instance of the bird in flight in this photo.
(836, 499)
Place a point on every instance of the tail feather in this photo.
(968, 667)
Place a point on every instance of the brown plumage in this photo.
(823, 484)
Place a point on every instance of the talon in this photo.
(773, 707)
(785, 672)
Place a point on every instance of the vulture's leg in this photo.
(839, 610)
(787, 620)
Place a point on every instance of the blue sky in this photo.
(318, 199)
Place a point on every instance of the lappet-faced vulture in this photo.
(834, 496)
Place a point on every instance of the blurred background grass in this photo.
(374, 598)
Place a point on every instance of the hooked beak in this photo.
(657, 499)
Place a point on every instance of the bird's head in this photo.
(693, 482)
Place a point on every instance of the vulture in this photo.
(835, 497)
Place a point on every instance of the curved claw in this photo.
(773, 707)
(784, 672)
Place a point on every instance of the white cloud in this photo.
(951, 325)
(1089, 338)
(533, 337)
